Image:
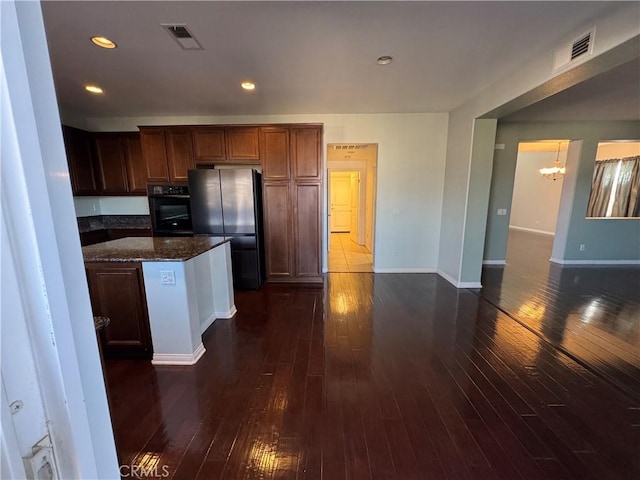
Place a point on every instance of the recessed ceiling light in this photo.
(384, 60)
(103, 42)
(248, 85)
(93, 89)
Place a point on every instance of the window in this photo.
(615, 188)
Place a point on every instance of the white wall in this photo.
(617, 150)
(89, 206)
(410, 176)
(536, 199)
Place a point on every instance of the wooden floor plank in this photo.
(380, 376)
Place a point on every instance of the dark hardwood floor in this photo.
(379, 376)
(591, 314)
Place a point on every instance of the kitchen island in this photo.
(161, 293)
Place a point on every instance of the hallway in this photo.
(347, 256)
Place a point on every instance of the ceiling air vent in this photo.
(581, 47)
(182, 35)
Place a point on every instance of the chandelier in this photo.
(555, 172)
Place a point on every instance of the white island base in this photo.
(183, 299)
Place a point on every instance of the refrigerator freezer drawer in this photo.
(243, 243)
(245, 269)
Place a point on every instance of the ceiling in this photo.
(613, 95)
(305, 57)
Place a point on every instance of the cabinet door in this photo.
(117, 292)
(209, 145)
(242, 144)
(179, 153)
(277, 229)
(134, 161)
(307, 225)
(274, 150)
(77, 144)
(305, 153)
(154, 153)
(112, 173)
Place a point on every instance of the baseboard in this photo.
(448, 278)
(228, 314)
(456, 283)
(494, 262)
(178, 358)
(207, 323)
(594, 262)
(532, 230)
(404, 270)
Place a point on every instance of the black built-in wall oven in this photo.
(170, 210)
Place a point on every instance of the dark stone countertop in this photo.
(150, 249)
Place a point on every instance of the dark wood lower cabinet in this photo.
(293, 231)
(277, 230)
(307, 231)
(117, 292)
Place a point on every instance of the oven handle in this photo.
(169, 196)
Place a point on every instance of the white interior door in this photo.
(355, 207)
(340, 201)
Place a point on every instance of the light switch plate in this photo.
(167, 277)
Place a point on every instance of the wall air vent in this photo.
(572, 52)
(182, 35)
(361, 146)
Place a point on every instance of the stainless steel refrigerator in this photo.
(229, 203)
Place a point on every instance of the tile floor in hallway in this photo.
(348, 256)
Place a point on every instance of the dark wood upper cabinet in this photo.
(305, 153)
(154, 153)
(77, 145)
(179, 153)
(134, 161)
(209, 146)
(167, 153)
(243, 144)
(110, 161)
(274, 150)
(117, 292)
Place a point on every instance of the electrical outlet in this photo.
(582, 247)
(167, 277)
(502, 211)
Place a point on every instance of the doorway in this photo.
(351, 202)
(535, 202)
